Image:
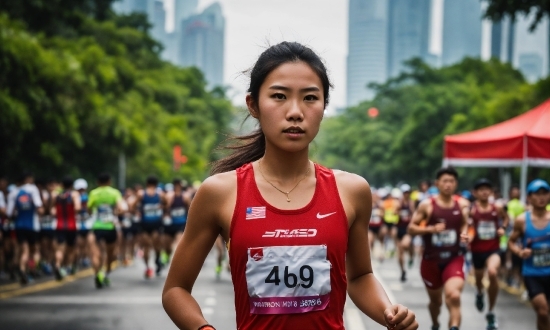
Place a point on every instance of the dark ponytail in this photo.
(249, 148)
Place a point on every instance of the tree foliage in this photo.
(417, 109)
(498, 9)
(72, 102)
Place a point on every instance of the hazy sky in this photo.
(251, 25)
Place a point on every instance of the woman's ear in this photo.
(252, 106)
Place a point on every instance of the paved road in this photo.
(134, 303)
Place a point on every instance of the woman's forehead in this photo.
(293, 75)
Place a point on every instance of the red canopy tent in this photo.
(521, 141)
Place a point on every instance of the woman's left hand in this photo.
(399, 317)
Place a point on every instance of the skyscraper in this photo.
(408, 32)
(531, 48)
(367, 48)
(461, 30)
(159, 22)
(182, 10)
(201, 43)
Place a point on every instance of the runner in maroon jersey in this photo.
(297, 232)
(375, 224)
(441, 268)
(485, 245)
(404, 241)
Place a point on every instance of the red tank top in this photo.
(486, 225)
(288, 266)
(442, 247)
(64, 206)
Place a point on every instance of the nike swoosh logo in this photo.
(322, 216)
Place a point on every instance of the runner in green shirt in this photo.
(104, 203)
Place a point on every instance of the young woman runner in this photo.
(297, 232)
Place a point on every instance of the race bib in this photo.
(288, 279)
(152, 210)
(376, 218)
(486, 230)
(167, 221)
(405, 215)
(541, 257)
(105, 213)
(445, 238)
(126, 222)
(178, 212)
(47, 222)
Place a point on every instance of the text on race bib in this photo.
(541, 257)
(152, 210)
(445, 238)
(486, 230)
(105, 213)
(178, 212)
(288, 279)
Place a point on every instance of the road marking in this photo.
(9, 287)
(87, 300)
(352, 317)
(32, 288)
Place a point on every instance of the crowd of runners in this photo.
(473, 233)
(56, 228)
(51, 227)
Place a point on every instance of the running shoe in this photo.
(106, 281)
(159, 266)
(98, 281)
(46, 268)
(491, 321)
(218, 272)
(435, 327)
(164, 258)
(23, 278)
(453, 328)
(57, 274)
(148, 273)
(403, 276)
(479, 302)
(411, 262)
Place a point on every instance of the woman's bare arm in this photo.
(203, 227)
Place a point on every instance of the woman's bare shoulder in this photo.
(219, 185)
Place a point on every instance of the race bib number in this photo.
(105, 213)
(405, 215)
(47, 222)
(288, 279)
(152, 210)
(541, 257)
(126, 222)
(178, 212)
(444, 239)
(376, 218)
(486, 230)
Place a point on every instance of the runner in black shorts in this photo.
(404, 241)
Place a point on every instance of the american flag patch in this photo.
(257, 212)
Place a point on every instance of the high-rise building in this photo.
(502, 40)
(461, 30)
(367, 48)
(531, 48)
(201, 43)
(182, 10)
(408, 32)
(159, 22)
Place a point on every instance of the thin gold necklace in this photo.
(282, 191)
